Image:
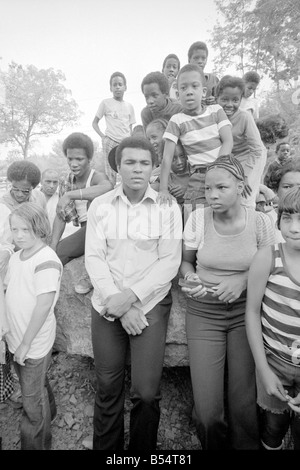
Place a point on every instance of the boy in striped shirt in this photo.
(204, 131)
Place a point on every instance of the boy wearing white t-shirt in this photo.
(119, 117)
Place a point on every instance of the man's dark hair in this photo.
(135, 143)
(117, 74)
(24, 170)
(159, 78)
(78, 140)
(197, 45)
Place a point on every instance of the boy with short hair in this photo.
(249, 102)
(155, 88)
(198, 54)
(119, 117)
(170, 68)
(204, 131)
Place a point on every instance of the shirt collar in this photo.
(149, 194)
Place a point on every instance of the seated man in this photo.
(81, 186)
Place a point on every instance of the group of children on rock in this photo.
(191, 118)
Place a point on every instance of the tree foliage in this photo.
(261, 35)
(36, 104)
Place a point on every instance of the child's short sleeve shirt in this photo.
(25, 280)
(199, 134)
(119, 116)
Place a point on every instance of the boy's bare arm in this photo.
(164, 195)
(96, 127)
(226, 139)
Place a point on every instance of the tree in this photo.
(37, 104)
(261, 35)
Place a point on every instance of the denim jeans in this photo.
(38, 403)
(217, 339)
(110, 346)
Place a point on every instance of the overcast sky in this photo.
(88, 40)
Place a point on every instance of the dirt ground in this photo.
(73, 381)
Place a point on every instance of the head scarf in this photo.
(229, 163)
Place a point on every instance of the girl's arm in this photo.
(188, 261)
(164, 195)
(187, 269)
(38, 318)
(257, 280)
(226, 139)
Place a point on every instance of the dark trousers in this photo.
(72, 246)
(110, 344)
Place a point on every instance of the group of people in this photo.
(177, 197)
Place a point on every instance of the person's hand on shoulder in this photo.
(164, 197)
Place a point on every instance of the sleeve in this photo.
(169, 255)
(193, 234)
(132, 119)
(265, 231)
(95, 253)
(6, 241)
(253, 140)
(222, 119)
(172, 131)
(101, 110)
(47, 275)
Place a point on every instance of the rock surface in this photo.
(73, 314)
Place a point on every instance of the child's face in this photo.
(154, 134)
(289, 180)
(171, 69)
(283, 153)
(155, 99)
(199, 57)
(179, 163)
(78, 162)
(20, 191)
(250, 88)
(22, 233)
(230, 100)
(191, 91)
(118, 88)
(290, 229)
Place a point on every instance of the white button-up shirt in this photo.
(132, 246)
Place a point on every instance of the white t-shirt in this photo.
(25, 280)
(119, 116)
(250, 104)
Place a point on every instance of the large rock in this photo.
(73, 314)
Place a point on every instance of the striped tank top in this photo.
(280, 313)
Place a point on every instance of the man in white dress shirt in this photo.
(132, 253)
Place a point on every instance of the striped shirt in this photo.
(199, 134)
(280, 314)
